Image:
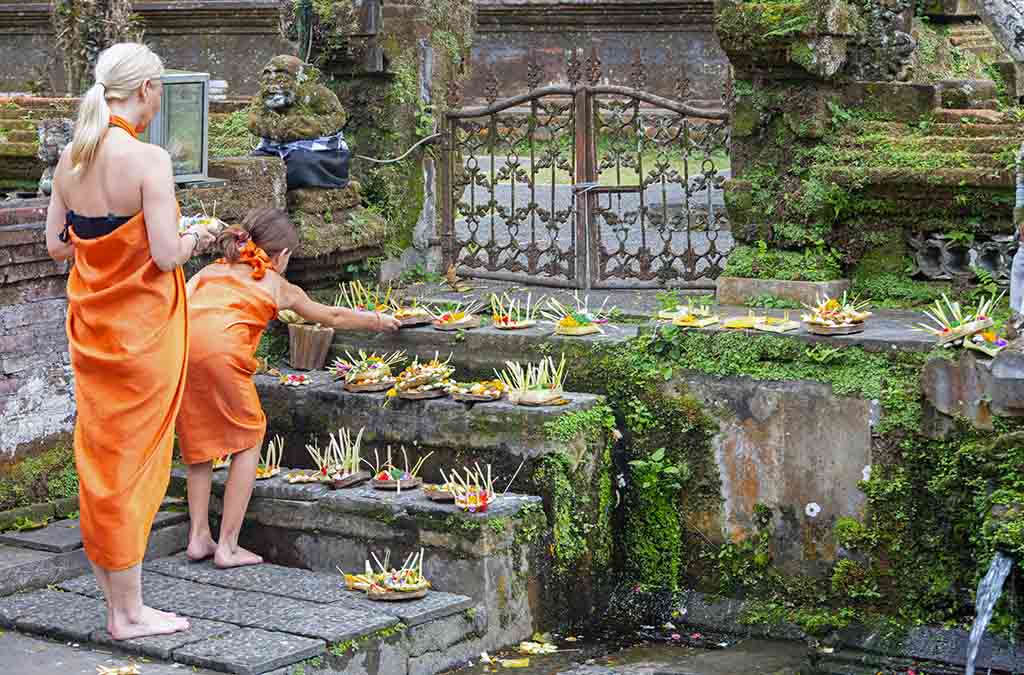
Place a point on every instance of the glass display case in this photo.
(182, 125)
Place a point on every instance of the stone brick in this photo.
(33, 270)
(32, 290)
(32, 313)
(13, 235)
(29, 253)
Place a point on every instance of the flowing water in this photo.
(989, 590)
(746, 657)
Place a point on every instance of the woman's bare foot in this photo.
(225, 557)
(201, 547)
(147, 621)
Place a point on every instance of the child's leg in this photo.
(200, 542)
(241, 478)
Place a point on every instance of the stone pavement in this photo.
(249, 620)
(26, 655)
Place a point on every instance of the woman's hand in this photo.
(205, 237)
(387, 323)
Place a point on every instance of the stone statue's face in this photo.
(54, 135)
(278, 84)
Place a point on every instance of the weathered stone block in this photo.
(324, 200)
(738, 290)
(249, 651)
(901, 100)
(959, 388)
(964, 94)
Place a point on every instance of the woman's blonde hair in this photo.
(120, 71)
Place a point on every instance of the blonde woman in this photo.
(113, 211)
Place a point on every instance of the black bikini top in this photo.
(87, 227)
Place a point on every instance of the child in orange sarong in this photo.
(230, 303)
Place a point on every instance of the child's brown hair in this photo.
(270, 229)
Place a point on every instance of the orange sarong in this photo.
(221, 413)
(128, 338)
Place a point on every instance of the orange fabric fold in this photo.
(122, 123)
(255, 257)
(221, 413)
(128, 338)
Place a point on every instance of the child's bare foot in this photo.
(225, 557)
(148, 621)
(201, 547)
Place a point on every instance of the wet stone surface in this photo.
(249, 651)
(65, 535)
(163, 646)
(434, 605)
(69, 617)
(286, 581)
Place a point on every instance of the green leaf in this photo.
(671, 469)
(658, 455)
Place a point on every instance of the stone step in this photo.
(26, 136)
(934, 178)
(37, 558)
(498, 433)
(931, 158)
(975, 145)
(260, 619)
(972, 39)
(954, 128)
(16, 124)
(968, 116)
(18, 149)
(488, 557)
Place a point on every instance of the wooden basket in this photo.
(350, 480)
(395, 596)
(851, 329)
(308, 346)
(407, 484)
(419, 395)
(383, 385)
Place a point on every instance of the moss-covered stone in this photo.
(41, 477)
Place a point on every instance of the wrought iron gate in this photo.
(585, 185)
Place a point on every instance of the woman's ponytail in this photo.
(93, 118)
(230, 242)
(121, 71)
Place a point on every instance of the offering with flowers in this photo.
(212, 224)
(509, 314)
(986, 342)
(270, 460)
(294, 380)
(743, 322)
(354, 295)
(535, 384)
(459, 317)
(411, 314)
(387, 476)
(831, 316)
(368, 372)
(953, 324)
(695, 317)
(580, 320)
(222, 462)
(485, 390)
(773, 324)
(386, 584)
(423, 380)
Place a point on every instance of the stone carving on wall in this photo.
(883, 52)
(938, 257)
(54, 135)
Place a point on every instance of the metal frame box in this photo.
(182, 127)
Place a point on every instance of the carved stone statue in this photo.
(293, 104)
(54, 134)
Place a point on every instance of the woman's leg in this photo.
(127, 617)
(241, 477)
(200, 542)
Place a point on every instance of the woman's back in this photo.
(113, 184)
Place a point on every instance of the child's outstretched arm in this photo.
(295, 299)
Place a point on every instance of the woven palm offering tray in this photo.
(270, 460)
(536, 384)
(832, 316)
(390, 585)
(444, 492)
(772, 324)
(477, 392)
(387, 476)
(508, 313)
(743, 322)
(339, 464)
(461, 316)
(695, 317)
(578, 320)
(412, 316)
(354, 295)
(423, 380)
(222, 462)
(367, 372)
(954, 325)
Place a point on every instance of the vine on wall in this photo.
(84, 28)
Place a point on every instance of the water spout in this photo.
(989, 590)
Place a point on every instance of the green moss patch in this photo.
(43, 477)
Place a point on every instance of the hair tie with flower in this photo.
(254, 256)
